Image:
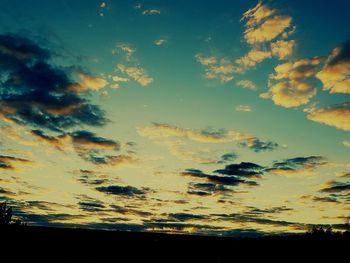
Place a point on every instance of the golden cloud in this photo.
(136, 73)
(292, 93)
(335, 75)
(282, 48)
(91, 82)
(253, 57)
(268, 30)
(336, 115)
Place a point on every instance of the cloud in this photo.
(335, 115)
(257, 14)
(125, 49)
(59, 142)
(267, 30)
(160, 41)
(183, 217)
(5, 192)
(335, 187)
(205, 61)
(215, 68)
(163, 130)
(177, 149)
(119, 79)
(204, 189)
(231, 175)
(335, 74)
(344, 174)
(10, 162)
(228, 157)
(129, 191)
(169, 135)
(346, 143)
(244, 108)
(243, 169)
(151, 12)
(290, 94)
(259, 146)
(300, 69)
(130, 211)
(91, 205)
(282, 49)
(91, 178)
(293, 90)
(86, 139)
(91, 82)
(247, 84)
(297, 165)
(89, 147)
(37, 93)
(136, 73)
(110, 160)
(325, 199)
(217, 179)
(253, 57)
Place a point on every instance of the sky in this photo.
(197, 117)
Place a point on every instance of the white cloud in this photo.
(244, 108)
(151, 12)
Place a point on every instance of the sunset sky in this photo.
(181, 116)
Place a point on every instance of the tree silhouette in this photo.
(5, 214)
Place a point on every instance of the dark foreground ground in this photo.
(70, 245)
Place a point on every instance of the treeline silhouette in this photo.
(6, 219)
(21, 240)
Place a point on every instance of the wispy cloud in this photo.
(244, 108)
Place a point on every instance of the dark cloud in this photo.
(37, 93)
(325, 199)
(110, 160)
(297, 164)
(91, 178)
(10, 162)
(122, 190)
(182, 217)
(256, 218)
(243, 169)
(207, 189)
(5, 192)
(47, 219)
(257, 145)
(91, 140)
(342, 54)
(336, 187)
(88, 146)
(91, 206)
(216, 179)
(272, 210)
(129, 211)
(228, 157)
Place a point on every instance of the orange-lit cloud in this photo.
(336, 115)
(93, 83)
(292, 93)
(282, 48)
(335, 75)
